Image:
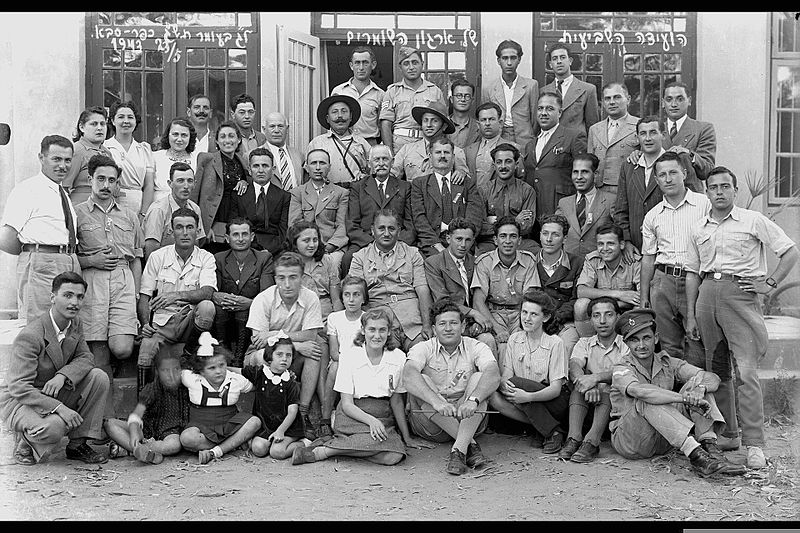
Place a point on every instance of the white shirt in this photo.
(359, 377)
(227, 394)
(565, 85)
(508, 92)
(277, 164)
(678, 124)
(648, 170)
(613, 127)
(449, 186)
(34, 209)
(258, 188)
(61, 334)
(544, 136)
(667, 230)
(343, 329)
(201, 145)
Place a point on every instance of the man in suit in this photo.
(264, 203)
(515, 94)
(323, 203)
(243, 113)
(199, 113)
(449, 273)
(613, 139)
(548, 158)
(242, 273)
(435, 200)
(288, 159)
(580, 98)
(687, 135)
(52, 388)
(379, 191)
(479, 154)
(587, 209)
(638, 191)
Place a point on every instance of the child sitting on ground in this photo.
(153, 428)
(276, 401)
(216, 425)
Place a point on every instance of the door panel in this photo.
(299, 84)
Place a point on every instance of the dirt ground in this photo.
(522, 484)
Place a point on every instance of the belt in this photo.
(394, 298)
(49, 248)
(493, 305)
(670, 270)
(719, 276)
(407, 132)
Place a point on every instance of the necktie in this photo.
(67, 216)
(559, 83)
(261, 206)
(447, 203)
(580, 209)
(673, 131)
(382, 191)
(286, 179)
(463, 271)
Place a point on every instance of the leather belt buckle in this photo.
(717, 275)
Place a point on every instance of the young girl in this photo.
(215, 424)
(343, 326)
(369, 380)
(276, 402)
(533, 388)
(321, 275)
(153, 428)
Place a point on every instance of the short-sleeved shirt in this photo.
(666, 230)
(269, 312)
(397, 273)
(505, 285)
(736, 245)
(165, 273)
(34, 209)
(162, 164)
(202, 394)
(135, 162)
(352, 148)
(545, 364)
(413, 160)
(359, 377)
(666, 371)
(597, 274)
(370, 101)
(118, 227)
(78, 175)
(158, 220)
(400, 99)
(451, 372)
(594, 358)
(320, 276)
(343, 329)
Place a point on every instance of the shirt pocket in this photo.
(539, 366)
(739, 243)
(406, 274)
(705, 245)
(92, 235)
(167, 281)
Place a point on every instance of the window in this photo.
(784, 158)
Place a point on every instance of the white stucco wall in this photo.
(42, 87)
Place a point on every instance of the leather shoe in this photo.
(586, 453)
(554, 442)
(302, 455)
(23, 454)
(39, 453)
(308, 427)
(755, 457)
(727, 444)
(714, 451)
(703, 463)
(569, 448)
(475, 457)
(457, 464)
(85, 453)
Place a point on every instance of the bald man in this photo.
(288, 160)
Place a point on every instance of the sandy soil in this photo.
(523, 484)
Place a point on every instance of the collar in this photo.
(348, 135)
(441, 350)
(490, 143)
(275, 148)
(678, 123)
(50, 183)
(455, 259)
(589, 196)
(92, 204)
(440, 176)
(517, 260)
(60, 333)
(546, 342)
(258, 187)
(735, 214)
(594, 340)
(382, 253)
(88, 145)
(618, 121)
(460, 125)
(690, 198)
(372, 85)
(174, 259)
(567, 80)
(563, 259)
(173, 203)
(273, 378)
(643, 163)
(513, 83)
(378, 183)
(547, 133)
(279, 299)
(425, 84)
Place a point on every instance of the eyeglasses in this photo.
(462, 96)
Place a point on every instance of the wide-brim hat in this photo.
(352, 103)
(438, 109)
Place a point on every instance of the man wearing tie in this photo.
(579, 98)
(686, 135)
(264, 203)
(39, 227)
(288, 160)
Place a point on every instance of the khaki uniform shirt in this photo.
(400, 98)
(597, 274)
(450, 373)
(505, 285)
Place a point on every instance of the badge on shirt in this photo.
(457, 197)
(385, 105)
(565, 285)
(558, 149)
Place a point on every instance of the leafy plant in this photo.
(758, 185)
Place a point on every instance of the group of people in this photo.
(416, 269)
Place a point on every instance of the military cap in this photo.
(635, 320)
(406, 51)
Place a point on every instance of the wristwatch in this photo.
(475, 399)
(771, 282)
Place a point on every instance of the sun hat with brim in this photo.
(352, 103)
(438, 109)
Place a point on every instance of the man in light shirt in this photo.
(199, 113)
(362, 88)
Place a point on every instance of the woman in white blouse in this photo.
(372, 404)
(177, 145)
(133, 157)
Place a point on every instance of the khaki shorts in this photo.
(422, 425)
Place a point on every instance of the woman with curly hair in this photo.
(90, 133)
(177, 146)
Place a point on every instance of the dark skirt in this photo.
(352, 435)
(217, 423)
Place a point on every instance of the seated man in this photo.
(52, 387)
(449, 273)
(177, 285)
(449, 378)
(157, 225)
(395, 276)
(605, 273)
(590, 371)
(501, 278)
(648, 418)
(287, 309)
(242, 273)
(558, 271)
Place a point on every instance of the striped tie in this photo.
(580, 210)
(286, 179)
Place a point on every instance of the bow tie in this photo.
(276, 379)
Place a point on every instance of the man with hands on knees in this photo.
(449, 379)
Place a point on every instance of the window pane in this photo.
(652, 62)
(426, 22)
(464, 23)
(366, 21)
(788, 87)
(456, 61)
(141, 18)
(672, 62)
(244, 20)
(632, 82)
(435, 61)
(237, 58)
(153, 59)
(439, 79)
(133, 58)
(546, 24)
(104, 18)
(679, 25)
(111, 58)
(597, 81)
(207, 19)
(643, 24)
(195, 57)
(112, 87)
(633, 63)
(327, 21)
(577, 62)
(786, 167)
(583, 23)
(216, 89)
(216, 57)
(194, 84)
(237, 84)
(594, 63)
(154, 106)
(133, 86)
(454, 75)
(652, 94)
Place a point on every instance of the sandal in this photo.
(116, 451)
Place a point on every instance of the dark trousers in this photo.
(545, 417)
